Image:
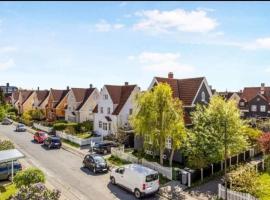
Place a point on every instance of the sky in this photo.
(60, 44)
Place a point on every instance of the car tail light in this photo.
(143, 186)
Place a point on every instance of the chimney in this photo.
(7, 84)
(91, 86)
(37, 88)
(67, 87)
(170, 75)
(262, 88)
(126, 83)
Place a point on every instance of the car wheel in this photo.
(137, 193)
(50, 146)
(113, 180)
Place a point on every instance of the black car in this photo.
(5, 170)
(104, 147)
(53, 142)
(96, 163)
(6, 121)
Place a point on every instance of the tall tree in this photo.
(207, 136)
(157, 118)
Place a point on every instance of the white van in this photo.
(138, 179)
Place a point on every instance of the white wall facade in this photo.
(72, 104)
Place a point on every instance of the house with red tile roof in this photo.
(255, 102)
(189, 90)
(114, 107)
(40, 99)
(57, 104)
(24, 102)
(81, 103)
(15, 98)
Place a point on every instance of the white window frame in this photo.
(242, 103)
(203, 96)
(264, 108)
(100, 124)
(105, 126)
(105, 96)
(254, 108)
(109, 127)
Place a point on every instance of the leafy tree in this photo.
(37, 114)
(158, 117)
(36, 191)
(6, 145)
(252, 133)
(2, 97)
(206, 139)
(26, 118)
(29, 176)
(264, 142)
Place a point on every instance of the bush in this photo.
(36, 191)
(37, 114)
(264, 142)
(6, 145)
(12, 110)
(59, 126)
(29, 176)
(267, 163)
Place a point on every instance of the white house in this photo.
(114, 107)
(81, 103)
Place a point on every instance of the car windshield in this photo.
(56, 140)
(20, 125)
(42, 134)
(99, 159)
(151, 177)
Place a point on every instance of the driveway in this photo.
(64, 170)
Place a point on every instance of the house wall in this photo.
(235, 97)
(199, 96)
(86, 111)
(60, 109)
(28, 104)
(70, 112)
(44, 104)
(50, 111)
(258, 101)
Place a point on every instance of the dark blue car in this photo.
(53, 142)
(5, 170)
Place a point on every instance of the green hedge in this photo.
(63, 126)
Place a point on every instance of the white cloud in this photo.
(260, 43)
(175, 20)
(7, 49)
(161, 62)
(104, 26)
(6, 64)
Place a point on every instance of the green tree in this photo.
(206, 139)
(159, 116)
(6, 145)
(2, 97)
(29, 176)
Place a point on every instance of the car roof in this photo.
(140, 169)
(54, 137)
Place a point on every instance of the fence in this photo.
(71, 138)
(233, 195)
(165, 171)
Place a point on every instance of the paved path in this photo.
(64, 170)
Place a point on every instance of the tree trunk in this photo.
(171, 156)
(161, 151)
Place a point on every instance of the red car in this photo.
(40, 136)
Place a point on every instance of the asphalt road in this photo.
(64, 170)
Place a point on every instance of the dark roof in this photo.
(184, 89)
(42, 95)
(250, 92)
(119, 95)
(227, 95)
(25, 95)
(81, 95)
(58, 95)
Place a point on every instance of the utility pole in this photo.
(225, 155)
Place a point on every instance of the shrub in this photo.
(264, 142)
(26, 119)
(12, 110)
(37, 114)
(59, 126)
(36, 191)
(267, 163)
(29, 176)
(6, 145)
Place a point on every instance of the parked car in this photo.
(6, 121)
(104, 147)
(138, 179)
(40, 136)
(96, 163)
(5, 170)
(20, 128)
(53, 142)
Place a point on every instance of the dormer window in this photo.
(203, 96)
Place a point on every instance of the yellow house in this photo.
(25, 101)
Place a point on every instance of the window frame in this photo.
(253, 106)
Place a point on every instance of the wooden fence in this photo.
(233, 195)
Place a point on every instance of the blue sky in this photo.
(59, 44)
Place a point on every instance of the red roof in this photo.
(119, 95)
(25, 95)
(42, 95)
(250, 92)
(184, 89)
(81, 95)
(58, 95)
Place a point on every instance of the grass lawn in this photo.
(264, 193)
(83, 135)
(116, 161)
(6, 191)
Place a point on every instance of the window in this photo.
(101, 109)
(105, 126)
(109, 126)
(130, 111)
(253, 108)
(100, 124)
(203, 96)
(105, 96)
(263, 108)
(109, 110)
(242, 103)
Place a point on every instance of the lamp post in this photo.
(225, 156)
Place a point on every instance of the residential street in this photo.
(64, 170)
